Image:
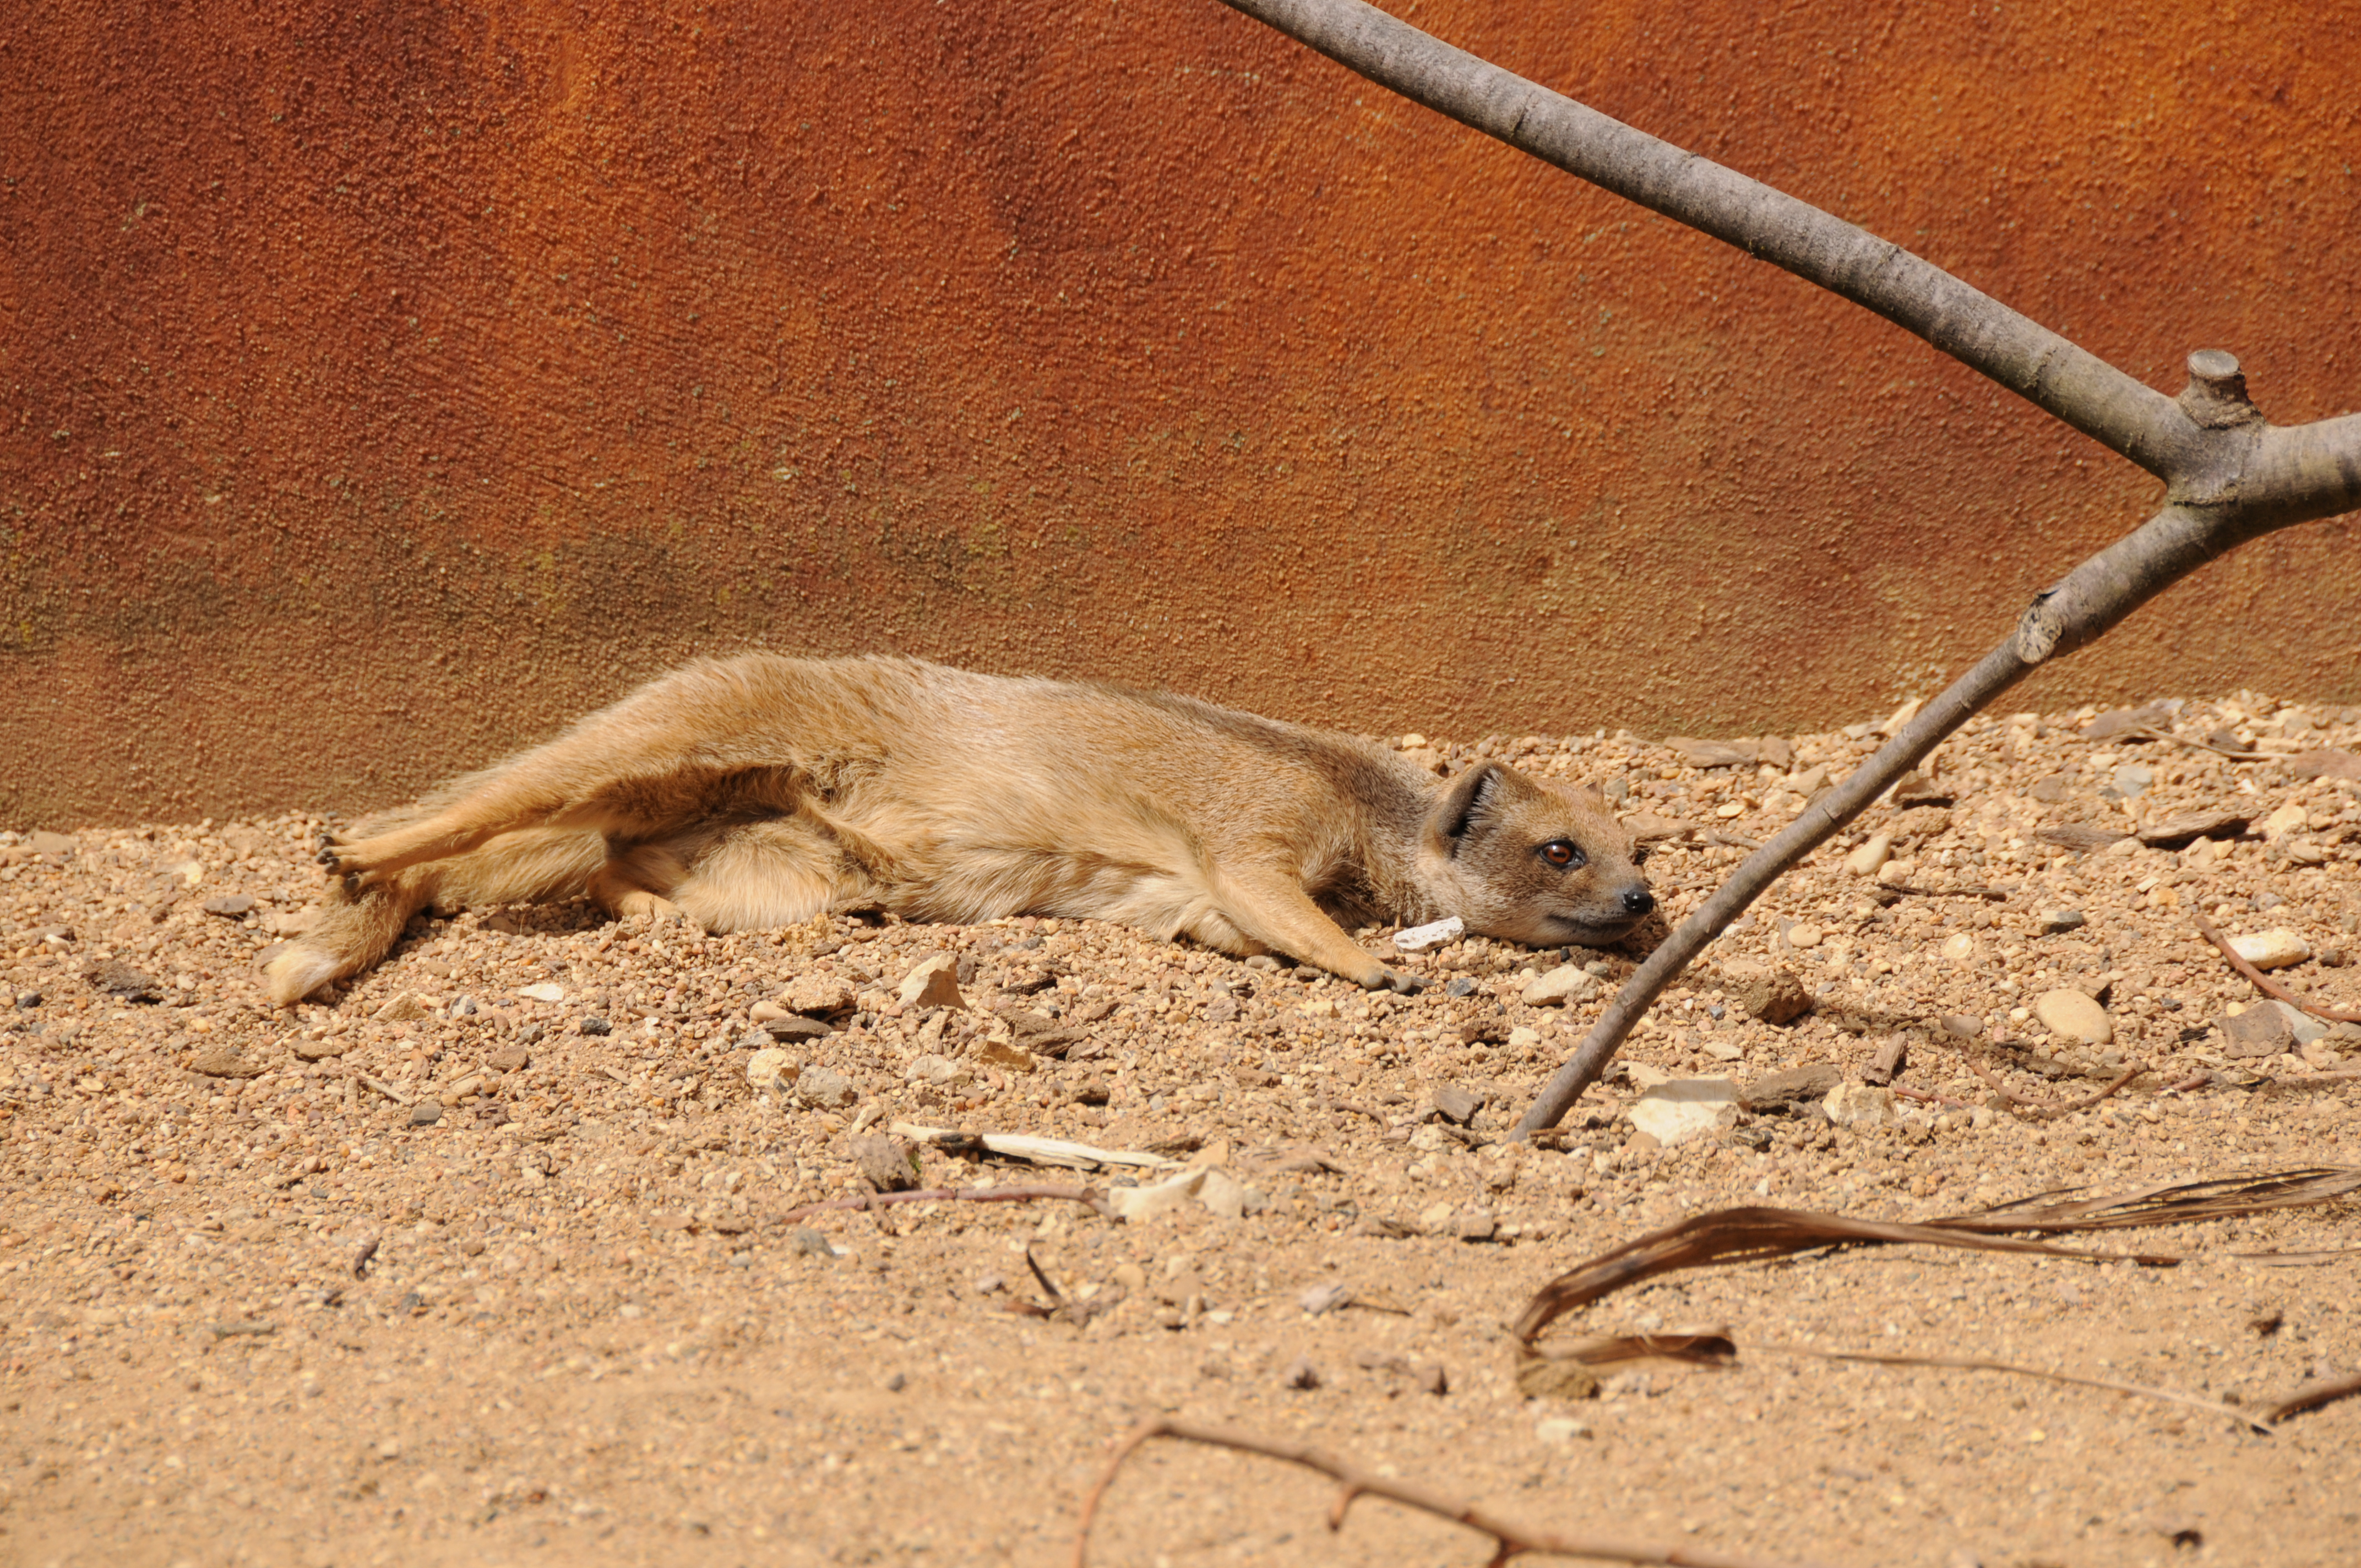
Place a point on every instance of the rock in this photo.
(595, 1025)
(1325, 1298)
(810, 1243)
(888, 1165)
(1871, 855)
(1460, 986)
(113, 977)
(426, 1113)
(1544, 1379)
(41, 841)
(2330, 763)
(1861, 1105)
(1005, 1054)
(220, 1061)
(2271, 949)
(1888, 1061)
(509, 1058)
(939, 1071)
(825, 1088)
(1224, 1195)
(1915, 789)
(1897, 872)
(1714, 754)
(933, 984)
(548, 991)
(1959, 947)
(1133, 1204)
(1803, 936)
(1457, 1106)
(767, 1069)
(2173, 832)
(795, 1026)
(2288, 818)
(1421, 938)
(2132, 779)
(1474, 1225)
(1566, 982)
(406, 1008)
(1685, 1108)
(1773, 995)
(1300, 1374)
(234, 906)
(2074, 1016)
(2082, 837)
(2302, 1025)
(2048, 790)
(1791, 1089)
(1523, 1039)
(2260, 1031)
(2107, 726)
(1960, 1025)
(2052, 922)
(1892, 725)
(818, 996)
(319, 1050)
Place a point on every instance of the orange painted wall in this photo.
(382, 383)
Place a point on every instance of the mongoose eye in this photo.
(1562, 853)
(1639, 855)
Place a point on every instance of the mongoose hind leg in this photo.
(1273, 908)
(636, 883)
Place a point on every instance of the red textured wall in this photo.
(382, 383)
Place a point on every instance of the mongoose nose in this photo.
(1638, 901)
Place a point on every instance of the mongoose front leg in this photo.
(1273, 908)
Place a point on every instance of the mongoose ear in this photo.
(1473, 799)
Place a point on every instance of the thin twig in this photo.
(1928, 1097)
(1996, 894)
(2313, 1395)
(2048, 1107)
(1977, 1363)
(2263, 982)
(1088, 1196)
(2189, 741)
(1510, 1539)
(388, 1090)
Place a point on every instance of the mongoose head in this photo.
(1530, 861)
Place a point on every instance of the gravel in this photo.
(529, 1283)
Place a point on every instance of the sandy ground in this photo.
(255, 1307)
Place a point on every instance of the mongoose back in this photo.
(762, 790)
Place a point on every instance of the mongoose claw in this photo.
(1400, 984)
(328, 856)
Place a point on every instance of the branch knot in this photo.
(2216, 396)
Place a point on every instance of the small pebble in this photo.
(425, 1114)
(2074, 1016)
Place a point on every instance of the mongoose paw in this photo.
(1400, 984)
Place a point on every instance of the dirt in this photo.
(254, 1310)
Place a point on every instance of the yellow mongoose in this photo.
(759, 791)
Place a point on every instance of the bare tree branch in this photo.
(1510, 1539)
(2027, 358)
(2230, 476)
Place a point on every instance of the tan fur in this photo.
(759, 791)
